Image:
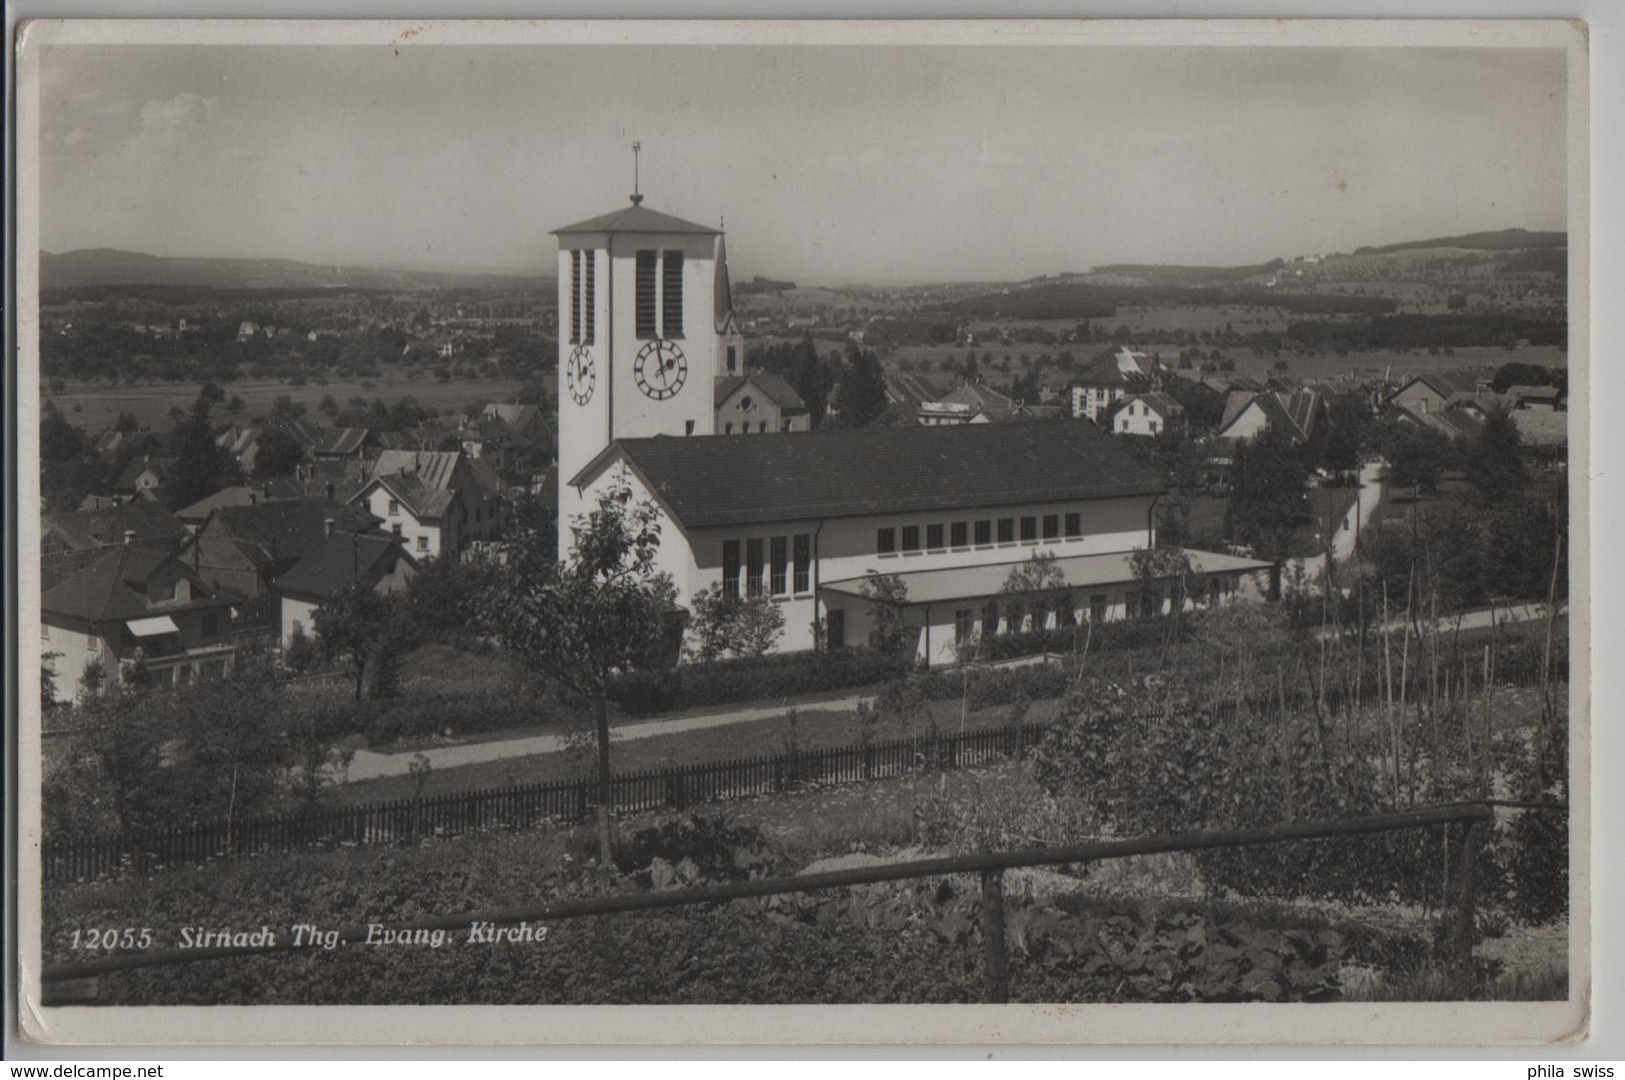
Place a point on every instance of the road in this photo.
(370, 764)
(1348, 530)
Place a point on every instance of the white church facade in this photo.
(805, 518)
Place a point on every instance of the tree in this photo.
(1267, 497)
(369, 631)
(59, 440)
(1518, 373)
(861, 398)
(1415, 455)
(1038, 584)
(603, 609)
(1494, 460)
(887, 595)
(279, 454)
(202, 467)
(725, 624)
(284, 409)
(759, 627)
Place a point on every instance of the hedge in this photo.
(727, 682)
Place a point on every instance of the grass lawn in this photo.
(817, 728)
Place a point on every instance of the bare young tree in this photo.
(602, 609)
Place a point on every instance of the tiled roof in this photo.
(1445, 383)
(726, 480)
(114, 586)
(342, 441)
(1303, 408)
(1539, 427)
(133, 471)
(635, 218)
(1162, 404)
(336, 564)
(978, 395)
(1235, 403)
(284, 529)
(96, 528)
(434, 468)
(280, 487)
(1105, 371)
(425, 502)
(774, 387)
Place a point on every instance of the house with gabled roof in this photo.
(1107, 380)
(436, 501)
(245, 548)
(136, 609)
(808, 517)
(1299, 413)
(144, 477)
(907, 393)
(758, 402)
(113, 442)
(1431, 391)
(71, 541)
(1148, 414)
(334, 565)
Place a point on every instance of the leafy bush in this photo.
(718, 849)
(422, 715)
(640, 693)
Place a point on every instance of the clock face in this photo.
(661, 369)
(581, 375)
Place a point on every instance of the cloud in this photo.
(184, 110)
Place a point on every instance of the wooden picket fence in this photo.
(524, 806)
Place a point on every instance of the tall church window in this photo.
(753, 567)
(779, 559)
(671, 294)
(803, 580)
(647, 280)
(730, 567)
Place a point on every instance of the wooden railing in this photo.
(553, 802)
(990, 867)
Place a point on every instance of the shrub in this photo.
(640, 693)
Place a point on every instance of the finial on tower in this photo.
(637, 190)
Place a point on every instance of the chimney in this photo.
(327, 526)
(328, 487)
(267, 489)
(129, 536)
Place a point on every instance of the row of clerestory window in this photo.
(982, 532)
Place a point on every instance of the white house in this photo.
(433, 501)
(1148, 414)
(337, 564)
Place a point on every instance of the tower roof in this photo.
(636, 218)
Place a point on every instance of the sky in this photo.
(878, 163)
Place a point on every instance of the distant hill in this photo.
(1502, 240)
(89, 267)
(1189, 276)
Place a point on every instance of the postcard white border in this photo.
(1410, 1024)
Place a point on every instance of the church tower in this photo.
(646, 324)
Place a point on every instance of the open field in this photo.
(94, 406)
